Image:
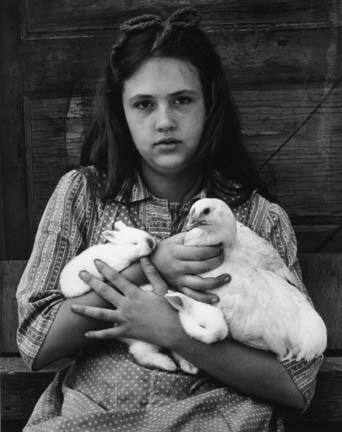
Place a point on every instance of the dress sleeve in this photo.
(278, 230)
(61, 234)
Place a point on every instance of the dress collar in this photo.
(233, 193)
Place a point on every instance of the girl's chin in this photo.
(173, 167)
(171, 164)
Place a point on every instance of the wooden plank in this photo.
(10, 273)
(20, 392)
(253, 59)
(56, 127)
(14, 229)
(322, 274)
(318, 238)
(2, 211)
(307, 173)
(46, 17)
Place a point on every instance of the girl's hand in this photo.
(139, 314)
(181, 265)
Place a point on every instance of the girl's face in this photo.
(164, 108)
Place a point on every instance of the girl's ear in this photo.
(178, 300)
(109, 236)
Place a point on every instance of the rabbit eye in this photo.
(206, 211)
(150, 243)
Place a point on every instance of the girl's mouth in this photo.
(168, 141)
(167, 145)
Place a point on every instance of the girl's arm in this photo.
(254, 372)
(65, 337)
(47, 330)
(148, 316)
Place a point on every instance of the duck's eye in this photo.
(206, 211)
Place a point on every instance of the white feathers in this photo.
(261, 306)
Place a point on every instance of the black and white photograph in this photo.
(171, 216)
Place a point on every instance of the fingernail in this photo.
(98, 263)
(84, 275)
(75, 307)
(214, 299)
(227, 278)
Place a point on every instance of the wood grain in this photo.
(10, 273)
(306, 174)
(20, 391)
(253, 58)
(14, 232)
(318, 238)
(322, 274)
(59, 17)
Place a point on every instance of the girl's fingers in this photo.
(160, 287)
(199, 296)
(198, 253)
(199, 283)
(101, 288)
(115, 278)
(110, 333)
(102, 314)
(196, 267)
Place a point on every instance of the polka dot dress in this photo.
(104, 389)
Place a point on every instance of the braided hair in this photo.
(109, 146)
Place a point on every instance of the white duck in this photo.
(261, 306)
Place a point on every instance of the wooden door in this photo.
(284, 61)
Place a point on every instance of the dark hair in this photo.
(109, 146)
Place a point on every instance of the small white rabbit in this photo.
(125, 245)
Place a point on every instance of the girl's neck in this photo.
(174, 188)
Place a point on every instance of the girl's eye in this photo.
(182, 100)
(144, 105)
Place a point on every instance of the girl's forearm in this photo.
(254, 372)
(66, 335)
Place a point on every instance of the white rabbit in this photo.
(125, 245)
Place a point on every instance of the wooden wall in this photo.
(283, 58)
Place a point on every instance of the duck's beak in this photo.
(192, 223)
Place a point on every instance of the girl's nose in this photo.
(165, 119)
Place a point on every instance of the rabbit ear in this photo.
(109, 236)
(119, 225)
(178, 300)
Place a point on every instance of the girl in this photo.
(165, 133)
